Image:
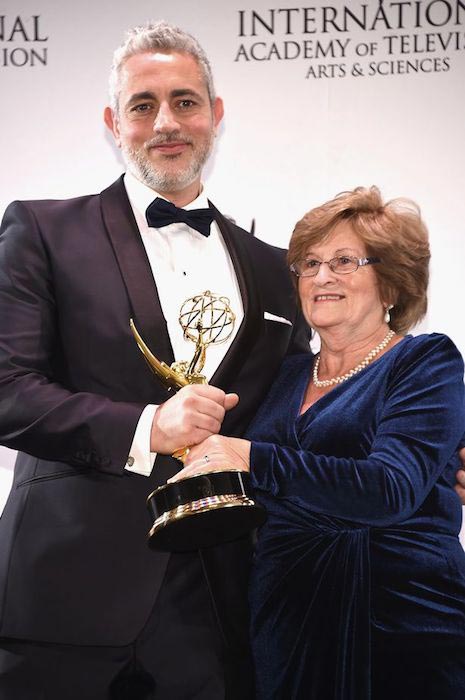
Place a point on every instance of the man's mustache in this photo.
(167, 138)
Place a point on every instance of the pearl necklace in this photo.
(358, 368)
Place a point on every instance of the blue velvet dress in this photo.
(358, 569)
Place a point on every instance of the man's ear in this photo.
(111, 121)
(218, 111)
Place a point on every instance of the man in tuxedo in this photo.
(87, 610)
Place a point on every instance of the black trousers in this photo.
(177, 656)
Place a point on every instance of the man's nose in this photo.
(165, 119)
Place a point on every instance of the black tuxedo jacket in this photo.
(74, 564)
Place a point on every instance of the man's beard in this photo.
(171, 179)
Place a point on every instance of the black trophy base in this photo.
(202, 511)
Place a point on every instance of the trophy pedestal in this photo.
(202, 511)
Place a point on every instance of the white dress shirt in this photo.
(184, 264)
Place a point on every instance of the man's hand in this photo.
(460, 476)
(189, 417)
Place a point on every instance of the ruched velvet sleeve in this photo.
(401, 420)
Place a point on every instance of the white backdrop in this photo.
(317, 100)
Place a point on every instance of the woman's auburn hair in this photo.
(393, 231)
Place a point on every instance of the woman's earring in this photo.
(387, 315)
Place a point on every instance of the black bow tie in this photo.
(161, 213)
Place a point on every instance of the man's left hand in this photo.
(460, 476)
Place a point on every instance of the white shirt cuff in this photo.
(140, 460)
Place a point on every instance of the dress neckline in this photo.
(348, 382)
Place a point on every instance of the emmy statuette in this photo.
(207, 509)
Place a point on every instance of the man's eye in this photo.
(185, 104)
(141, 108)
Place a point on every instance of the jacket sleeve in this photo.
(421, 424)
(37, 414)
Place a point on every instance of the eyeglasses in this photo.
(341, 265)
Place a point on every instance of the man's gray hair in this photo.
(152, 37)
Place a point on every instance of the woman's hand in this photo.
(216, 453)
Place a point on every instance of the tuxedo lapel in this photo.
(135, 269)
(142, 290)
(252, 324)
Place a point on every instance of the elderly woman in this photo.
(358, 589)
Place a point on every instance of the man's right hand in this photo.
(460, 485)
(189, 417)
